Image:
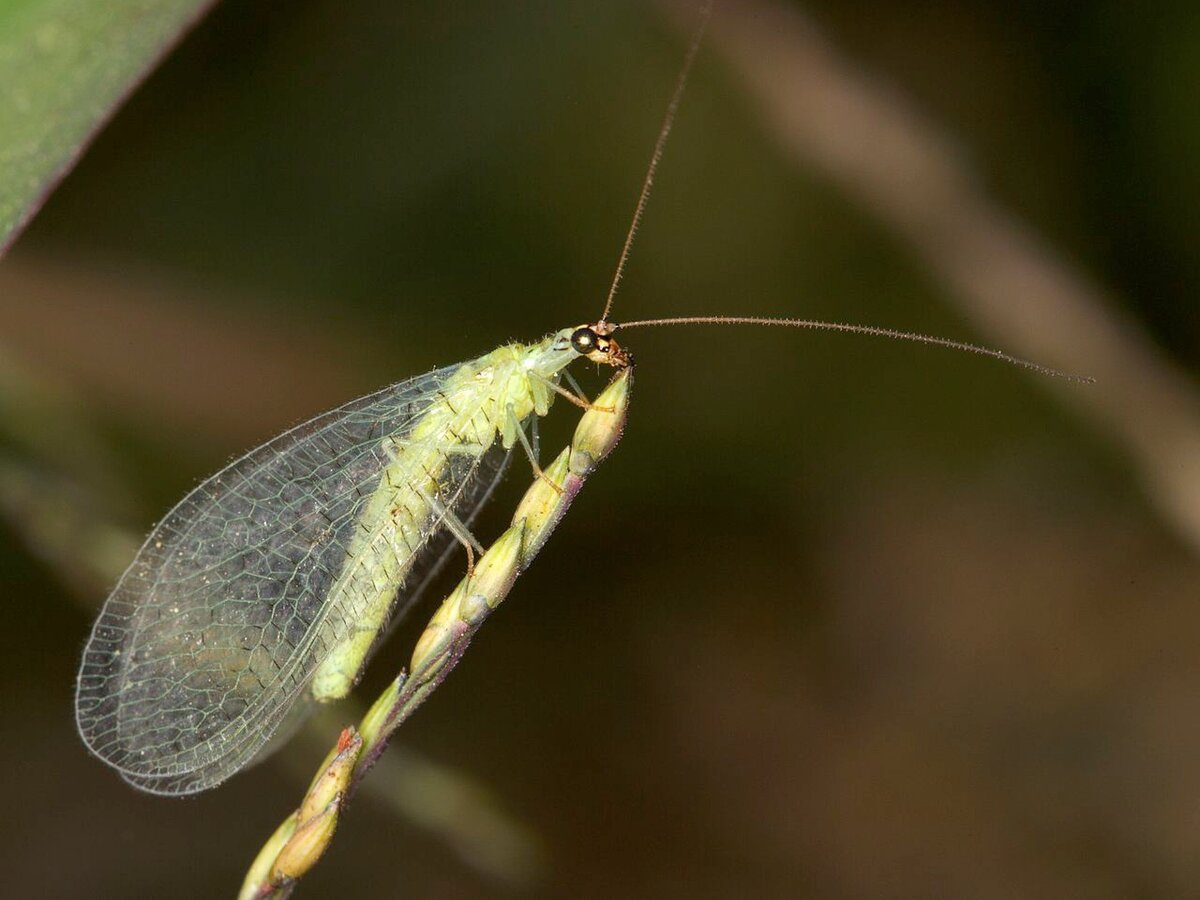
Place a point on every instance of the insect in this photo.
(269, 584)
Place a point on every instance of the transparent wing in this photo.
(216, 627)
(442, 548)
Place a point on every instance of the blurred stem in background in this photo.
(830, 116)
(57, 488)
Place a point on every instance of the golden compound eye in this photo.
(584, 340)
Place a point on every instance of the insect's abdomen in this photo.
(398, 518)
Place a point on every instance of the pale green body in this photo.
(485, 398)
(273, 579)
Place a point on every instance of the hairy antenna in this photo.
(663, 132)
(873, 330)
(660, 143)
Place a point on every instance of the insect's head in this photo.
(596, 343)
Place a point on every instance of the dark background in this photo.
(838, 618)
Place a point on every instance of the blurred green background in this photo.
(839, 617)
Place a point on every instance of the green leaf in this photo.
(65, 66)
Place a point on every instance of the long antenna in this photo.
(663, 132)
(873, 330)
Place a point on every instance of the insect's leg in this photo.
(576, 387)
(457, 527)
(579, 399)
(519, 431)
(529, 451)
(598, 431)
(539, 511)
(535, 438)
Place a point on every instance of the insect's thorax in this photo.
(496, 392)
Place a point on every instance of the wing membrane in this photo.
(218, 624)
